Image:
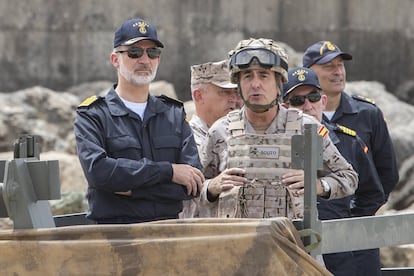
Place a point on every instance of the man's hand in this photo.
(225, 181)
(295, 180)
(188, 176)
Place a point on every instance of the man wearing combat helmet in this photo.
(247, 153)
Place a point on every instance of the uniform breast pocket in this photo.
(167, 148)
(124, 147)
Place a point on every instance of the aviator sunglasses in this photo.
(313, 97)
(137, 52)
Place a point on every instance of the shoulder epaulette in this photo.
(345, 130)
(170, 100)
(323, 131)
(363, 99)
(89, 101)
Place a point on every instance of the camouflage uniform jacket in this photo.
(340, 175)
(200, 130)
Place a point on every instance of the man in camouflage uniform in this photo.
(260, 132)
(214, 96)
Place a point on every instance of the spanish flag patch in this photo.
(323, 131)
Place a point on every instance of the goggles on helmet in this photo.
(265, 57)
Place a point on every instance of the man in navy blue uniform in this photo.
(137, 151)
(367, 120)
(303, 91)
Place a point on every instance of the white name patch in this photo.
(264, 152)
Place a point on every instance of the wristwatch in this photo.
(326, 188)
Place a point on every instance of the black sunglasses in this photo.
(137, 52)
(313, 97)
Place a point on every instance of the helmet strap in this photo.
(258, 108)
(261, 108)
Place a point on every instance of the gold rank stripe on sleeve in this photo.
(323, 131)
(348, 131)
(88, 101)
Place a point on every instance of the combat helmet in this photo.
(265, 52)
(258, 53)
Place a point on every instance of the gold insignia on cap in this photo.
(142, 26)
(326, 45)
(300, 73)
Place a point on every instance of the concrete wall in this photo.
(61, 43)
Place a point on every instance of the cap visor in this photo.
(136, 39)
(331, 56)
(224, 84)
(292, 88)
(298, 85)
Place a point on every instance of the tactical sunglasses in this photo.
(265, 57)
(313, 97)
(137, 52)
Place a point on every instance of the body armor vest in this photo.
(266, 158)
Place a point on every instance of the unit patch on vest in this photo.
(265, 152)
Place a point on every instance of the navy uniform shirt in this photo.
(369, 194)
(120, 152)
(363, 116)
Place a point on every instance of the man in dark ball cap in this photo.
(367, 121)
(137, 151)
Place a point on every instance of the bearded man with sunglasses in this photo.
(363, 116)
(246, 157)
(303, 91)
(137, 151)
